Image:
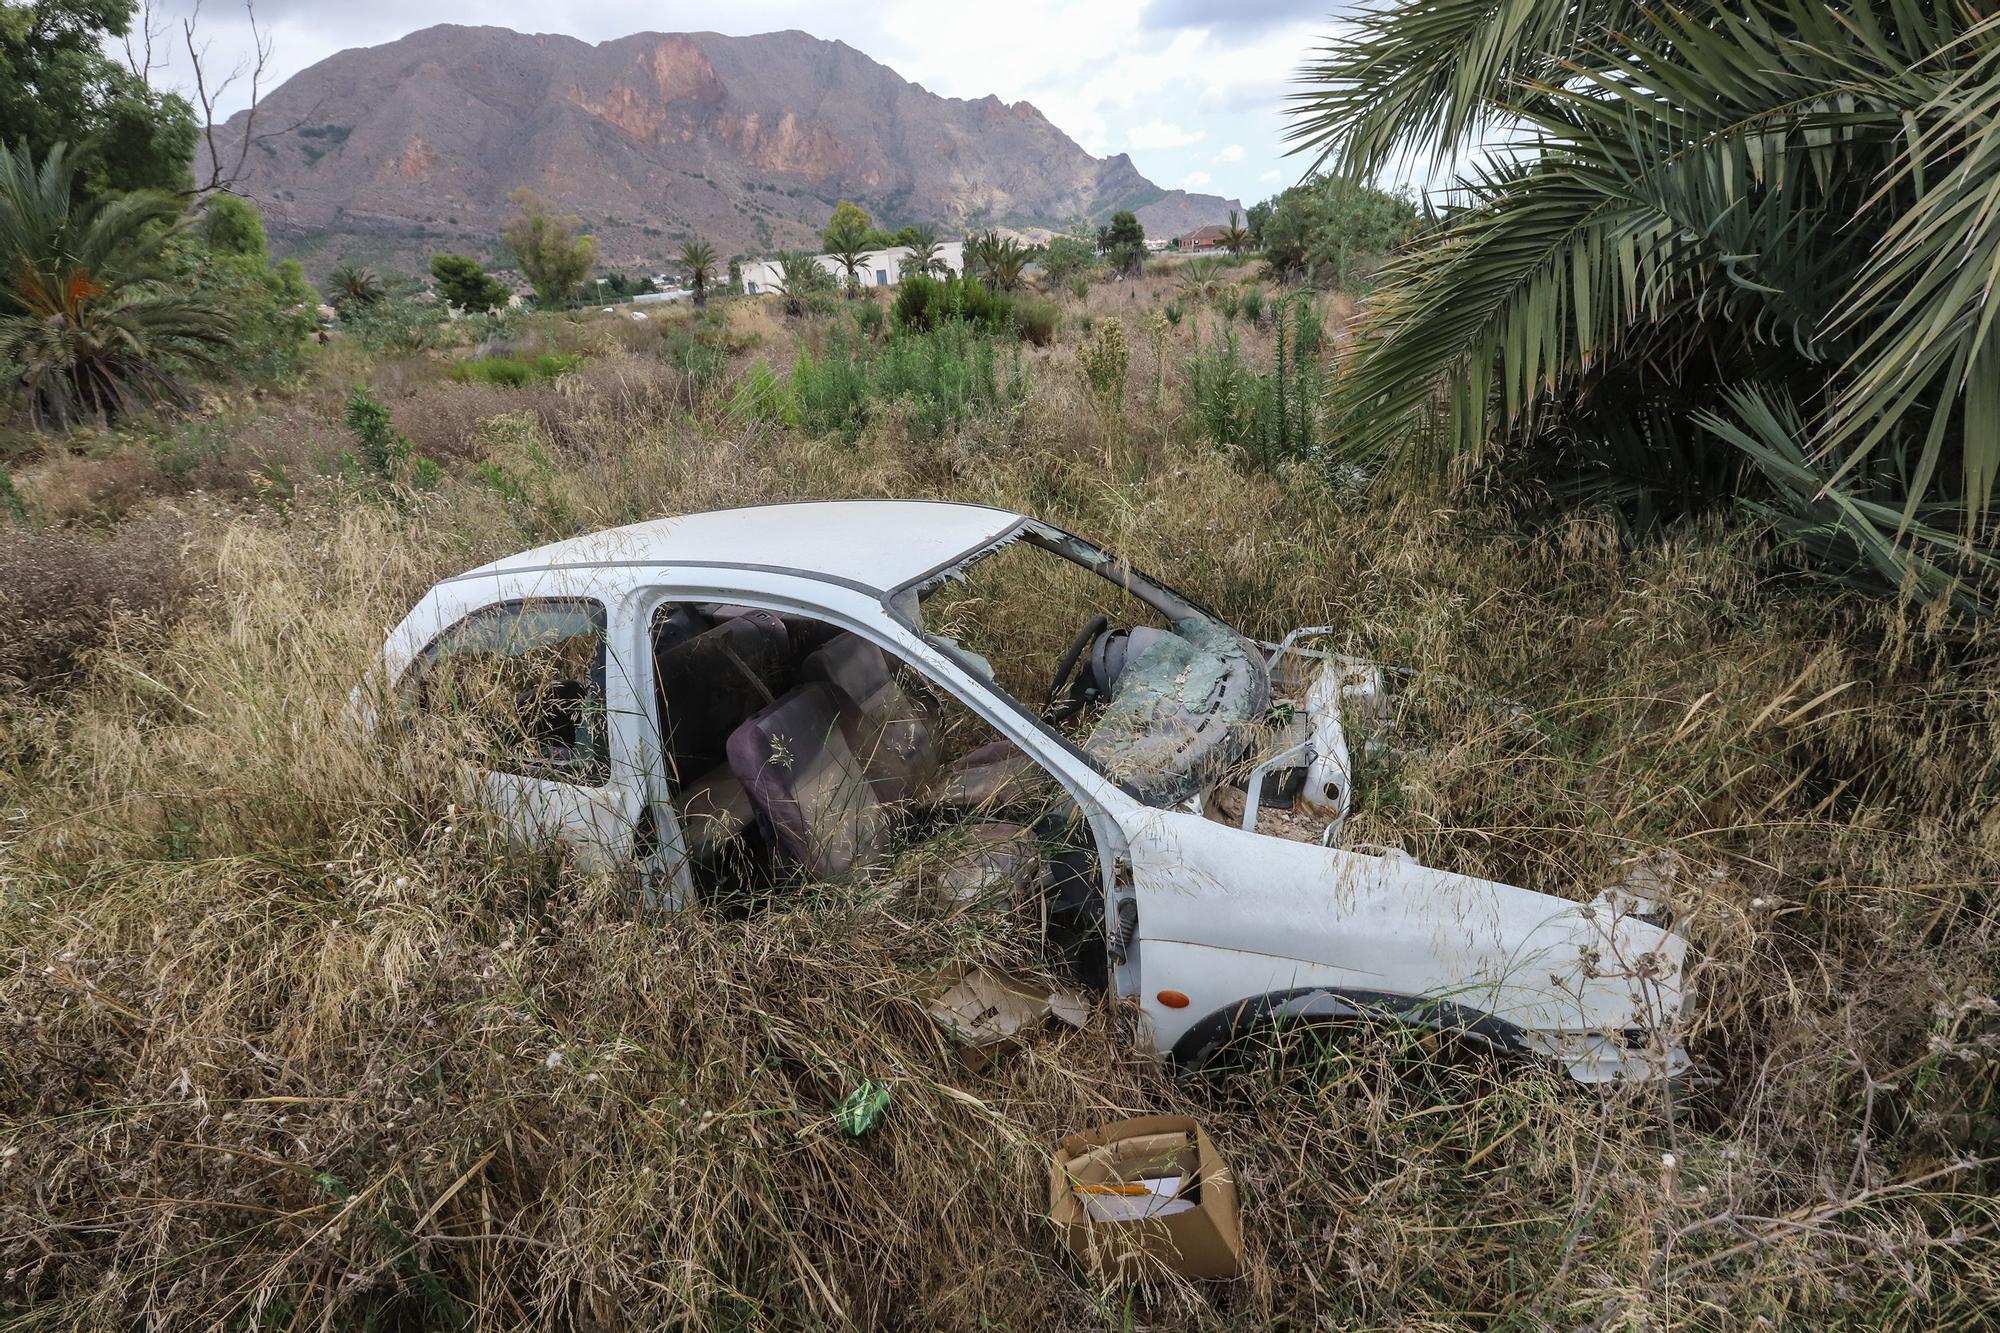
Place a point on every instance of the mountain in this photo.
(390, 153)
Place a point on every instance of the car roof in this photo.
(879, 545)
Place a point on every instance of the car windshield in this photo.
(1153, 690)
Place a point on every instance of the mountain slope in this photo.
(412, 147)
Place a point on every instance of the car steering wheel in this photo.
(1066, 669)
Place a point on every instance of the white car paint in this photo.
(1225, 917)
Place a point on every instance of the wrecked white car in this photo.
(740, 700)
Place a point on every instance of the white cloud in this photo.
(1159, 134)
(1196, 180)
(1271, 177)
(1233, 153)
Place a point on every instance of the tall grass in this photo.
(293, 1038)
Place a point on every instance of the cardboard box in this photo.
(1138, 1197)
(987, 1011)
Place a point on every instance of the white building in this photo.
(879, 268)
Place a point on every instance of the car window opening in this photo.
(1156, 692)
(796, 752)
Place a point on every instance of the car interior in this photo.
(801, 753)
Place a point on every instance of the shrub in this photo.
(65, 591)
(1036, 320)
(1079, 286)
(1252, 303)
(1263, 417)
(695, 356)
(869, 319)
(945, 376)
(1104, 360)
(1174, 311)
(515, 372)
(762, 396)
(400, 326)
(1229, 300)
(383, 447)
(923, 304)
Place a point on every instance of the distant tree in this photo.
(351, 287)
(847, 228)
(923, 258)
(698, 258)
(466, 284)
(1065, 256)
(1235, 238)
(803, 283)
(553, 257)
(1003, 261)
(58, 84)
(1259, 214)
(232, 225)
(88, 330)
(735, 274)
(1327, 231)
(847, 239)
(1123, 242)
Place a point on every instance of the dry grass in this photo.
(292, 1041)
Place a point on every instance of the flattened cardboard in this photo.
(986, 1010)
(1202, 1242)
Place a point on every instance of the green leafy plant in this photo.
(383, 448)
(1777, 209)
(466, 284)
(89, 328)
(515, 372)
(1104, 360)
(351, 288)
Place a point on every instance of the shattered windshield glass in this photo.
(1158, 693)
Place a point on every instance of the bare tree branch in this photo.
(151, 26)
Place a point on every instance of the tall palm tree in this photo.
(1736, 253)
(698, 258)
(351, 286)
(89, 328)
(800, 279)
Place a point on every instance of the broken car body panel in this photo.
(1242, 924)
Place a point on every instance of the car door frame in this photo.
(865, 615)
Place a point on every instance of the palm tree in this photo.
(998, 261)
(698, 258)
(1201, 277)
(1689, 288)
(800, 279)
(350, 286)
(1235, 238)
(849, 251)
(89, 329)
(923, 259)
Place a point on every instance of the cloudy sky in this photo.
(1192, 89)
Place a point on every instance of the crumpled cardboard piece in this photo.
(1175, 1209)
(987, 1010)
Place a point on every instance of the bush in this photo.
(762, 396)
(515, 372)
(64, 592)
(1252, 303)
(1035, 320)
(694, 356)
(945, 376)
(1174, 311)
(869, 319)
(1263, 417)
(400, 326)
(1104, 360)
(924, 303)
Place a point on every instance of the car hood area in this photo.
(1224, 914)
